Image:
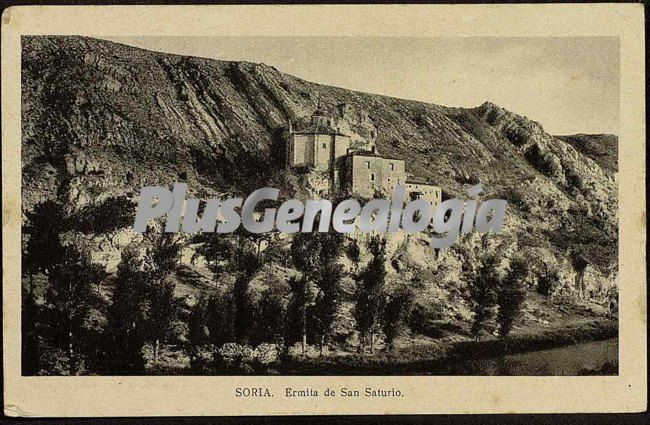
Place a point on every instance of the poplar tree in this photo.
(315, 295)
(510, 297)
(397, 311)
(326, 304)
(353, 253)
(296, 328)
(30, 340)
(41, 248)
(370, 295)
(248, 263)
(220, 318)
(69, 298)
(126, 327)
(161, 260)
(270, 315)
(198, 336)
(482, 291)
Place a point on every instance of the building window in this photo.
(372, 177)
(324, 145)
(368, 164)
(392, 167)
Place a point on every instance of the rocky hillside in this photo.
(602, 148)
(105, 119)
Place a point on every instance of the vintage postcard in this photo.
(370, 209)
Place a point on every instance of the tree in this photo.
(296, 327)
(112, 214)
(254, 240)
(220, 318)
(162, 311)
(198, 336)
(69, 299)
(30, 344)
(41, 248)
(275, 252)
(544, 266)
(397, 311)
(126, 318)
(161, 260)
(331, 246)
(511, 294)
(162, 254)
(242, 306)
(270, 315)
(482, 291)
(305, 252)
(354, 253)
(315, 255)
(310, 251)
(370, 294)
(327, 302)
(548, 279)
(216, 248)
(249, 262)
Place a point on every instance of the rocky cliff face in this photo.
(102, 119)
(602, 148)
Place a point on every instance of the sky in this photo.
(568, 84)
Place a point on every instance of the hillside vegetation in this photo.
(100, 120)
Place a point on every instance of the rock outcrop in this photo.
(102, 119)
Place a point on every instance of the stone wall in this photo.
(431, 193)
(322, 151)
(362, 171)
(373, 173)
(301, 150)
(316, 150)
(393, 173)
(341, 146)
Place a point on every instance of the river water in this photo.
(578, 359)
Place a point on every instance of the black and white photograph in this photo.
(250, 210)
(531, 122)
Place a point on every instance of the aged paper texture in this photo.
(503, 146)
